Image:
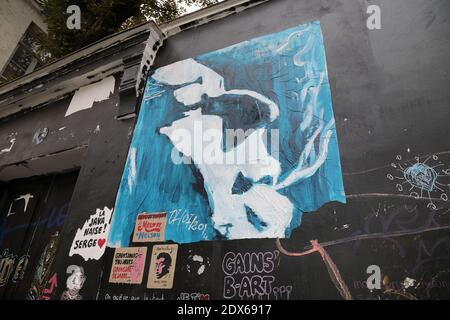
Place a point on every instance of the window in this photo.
(26, 57)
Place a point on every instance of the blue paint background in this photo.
(253, 65)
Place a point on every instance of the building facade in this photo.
(21, 21)
(120, 180)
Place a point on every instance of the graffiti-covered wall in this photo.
(278, 150)
(289, 152)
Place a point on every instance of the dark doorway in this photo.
(31, 217)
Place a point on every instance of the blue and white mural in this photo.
(236, 143)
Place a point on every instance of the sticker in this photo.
(162, 266)
(128, 265)
(150, 227)
(74, 284)
(90, 240)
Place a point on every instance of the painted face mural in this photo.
(236, 143)
(163, 264)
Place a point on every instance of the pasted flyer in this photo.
(128, 265)
(162, 266)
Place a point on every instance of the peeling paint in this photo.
(85, 97)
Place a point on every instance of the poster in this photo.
(236, 143)
(128, 265)
(150, 227)
(162, 266)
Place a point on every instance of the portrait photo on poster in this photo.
(162, 266)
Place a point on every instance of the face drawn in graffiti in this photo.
(163, 264)
(242, 140)
(197, 264)
(138, 267)
(74, 283)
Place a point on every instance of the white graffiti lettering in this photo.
(248, 276)
(190, 221)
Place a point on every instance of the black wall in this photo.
(390, 99)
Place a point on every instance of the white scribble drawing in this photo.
(422, 179)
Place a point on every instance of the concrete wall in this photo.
(15, 17)
(390, 100)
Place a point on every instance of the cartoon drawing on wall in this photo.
(43, 268)
(242, 138)
(162, 266)
(74, 284)
(422, 178)
(90, 240)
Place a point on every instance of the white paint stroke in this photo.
(6, 150)
(132, 175)
(26, 198)
(85, 97)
